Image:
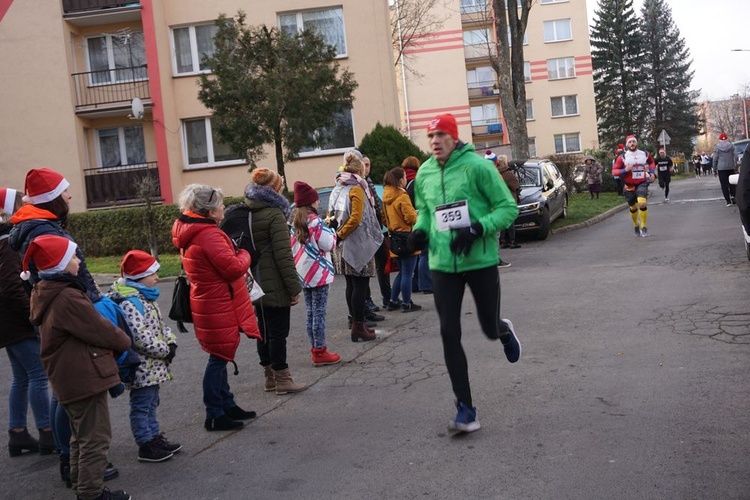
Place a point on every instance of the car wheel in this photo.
(543, 230)
(565, 208)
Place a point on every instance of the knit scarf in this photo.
(350, 179)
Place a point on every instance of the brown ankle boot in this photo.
(361, 332)
(270, 383)
(285, 384)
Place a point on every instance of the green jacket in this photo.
(465, 176)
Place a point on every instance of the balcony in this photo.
(97, 12)
(113, 186)
(479, 51)
(108, 91)
(484, 91)
(479, 129)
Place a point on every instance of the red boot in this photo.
(321, 357)
(361, 332)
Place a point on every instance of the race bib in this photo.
(639, 174)
(662, 169)
(452, 215)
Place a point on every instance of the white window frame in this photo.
(564, 138)
(110, 60)
(554, 24)
(209, 147)
(324, 152)
(529, 110)
(301, 25)
(525, 40)
(473, 6)
(472, 77)
(570, 67)
(564, 101)
(532, 147)
(546, 2)
(527, 71)
(195, 56)
(122, 144)
(485, 110)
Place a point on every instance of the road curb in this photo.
(606, 215)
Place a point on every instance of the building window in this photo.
(190, 46)
(532, 147)
(529, 109)
(202, 146)
(483, 76)
(561, 68)
(471, 6)
(552, 1)
(566, 105)
(338, 137)
(121, 146)
(328, 23)
(525, 40)
(485, 114)
(116, 58)
(557, 31)
(527, 71)
(567, 143)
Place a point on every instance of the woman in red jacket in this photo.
(219, 299)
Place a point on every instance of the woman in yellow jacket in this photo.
(400, 216)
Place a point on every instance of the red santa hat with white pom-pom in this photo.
(138, 264)
(8, 200)
(43, 185)
(50, 253)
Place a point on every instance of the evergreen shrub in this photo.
(387, 147)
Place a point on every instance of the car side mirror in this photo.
(550, 184)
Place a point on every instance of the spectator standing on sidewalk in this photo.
(422, 280)
(618, 180)
(664, 170)
(507, 236)
(381, 256)
(593, 171)
(462, 205)
(724, 162)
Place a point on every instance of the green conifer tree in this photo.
(666, 79)
(387, 147)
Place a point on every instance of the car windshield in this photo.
(529, 176)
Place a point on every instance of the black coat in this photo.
(743, 185)
(14, 297)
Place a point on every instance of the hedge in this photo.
(114, 232)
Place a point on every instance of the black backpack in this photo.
(237, 224)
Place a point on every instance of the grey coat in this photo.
(724, 156)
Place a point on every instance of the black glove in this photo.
(466, 237)
(417, 240)
(333, 224)
(116, 390)
(172, 351)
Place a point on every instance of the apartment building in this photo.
(451, 72)
(105, 91)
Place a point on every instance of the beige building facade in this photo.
(105, 92)
(449, 71)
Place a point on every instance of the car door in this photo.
(553, 186)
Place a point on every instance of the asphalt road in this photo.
(633, 384)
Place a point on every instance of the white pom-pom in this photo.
(25, 276)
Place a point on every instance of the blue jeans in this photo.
(402, 283)
(216, 393)
(29, 385)
(61, 431)
(316, 300)
(424, 277)
(143, 404)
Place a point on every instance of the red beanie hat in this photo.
(445, 123)
(630, 138)
(43, 185)
(723, 136)
(8, 200)
(265, 177)
(138, 264)
(50, 253)
(304, 194)
(620, 147)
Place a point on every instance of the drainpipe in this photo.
(403, 71)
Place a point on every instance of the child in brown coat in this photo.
(76, 350)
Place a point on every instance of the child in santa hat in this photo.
(136, 294)
(77, 346)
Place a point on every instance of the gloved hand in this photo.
(172, 351)
(417, 240)
(115, 391)
(466, 237)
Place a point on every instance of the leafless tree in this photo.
(410, 21)
(727, 116)
(147, 190)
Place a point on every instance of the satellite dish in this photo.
(136, 109)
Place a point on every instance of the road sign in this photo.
(664, 138)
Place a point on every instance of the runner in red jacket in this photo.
(636, 168)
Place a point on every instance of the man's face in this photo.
(632, 146)
(441, 145)
(366, 162)
(662, 154)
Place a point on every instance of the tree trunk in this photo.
(278, 146)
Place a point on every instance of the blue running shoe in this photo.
(466, 419)
(512, 346)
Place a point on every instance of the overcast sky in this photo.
(711, 30)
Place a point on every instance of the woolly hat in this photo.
(620, 147)
(445, 123)
(50, 253)
(304, 194)
(662, 150)
(630, 138)
(138, 264)
(265, 177)
(8, 200)
(43, 185)
(723, 136)
(490, 155)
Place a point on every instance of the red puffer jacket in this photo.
(218, 295)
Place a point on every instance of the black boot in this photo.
(237, 413)
(222, 423)
(46, 442)
(65, 470)
(21, 442)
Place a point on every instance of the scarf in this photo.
(126, 287)
(350, 179)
